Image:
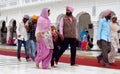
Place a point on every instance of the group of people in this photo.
(47, 44)
(26, 35)
(107, 38)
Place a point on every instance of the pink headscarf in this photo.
(107, 12)
(44, 13)
(43, 23)
(70, 8)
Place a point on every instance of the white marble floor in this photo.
(10, 65)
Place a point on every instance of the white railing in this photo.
(6, 4)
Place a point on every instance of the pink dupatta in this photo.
(43, 26)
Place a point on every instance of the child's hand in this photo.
(19, 35)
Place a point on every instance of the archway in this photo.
(102, 14)
(1, 21)
(11, 34)
(11, 22)
(84, 21)
(58, 20)
(3, 32)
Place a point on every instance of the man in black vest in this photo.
(68, 34)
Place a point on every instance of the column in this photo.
(95, 27)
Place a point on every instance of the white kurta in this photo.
(114, 42)
(22, 31)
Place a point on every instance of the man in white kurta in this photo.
(22, 37)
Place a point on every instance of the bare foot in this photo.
(28, 60)
(19, 60)
(54, 66)
(56, 62)
(37, 66)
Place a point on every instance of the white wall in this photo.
(58, 8)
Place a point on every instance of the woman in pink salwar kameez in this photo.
(44, 40)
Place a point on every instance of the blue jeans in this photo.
(19, 49)
(33, 48)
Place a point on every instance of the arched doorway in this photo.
(1, 21)
(11, 22)
(102, 14)
(84, 21)
(58, 20)
(11, 34)
(3, 32)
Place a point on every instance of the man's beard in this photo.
(68, 13)
(109, 17)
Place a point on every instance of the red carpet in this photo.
(88, 61)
